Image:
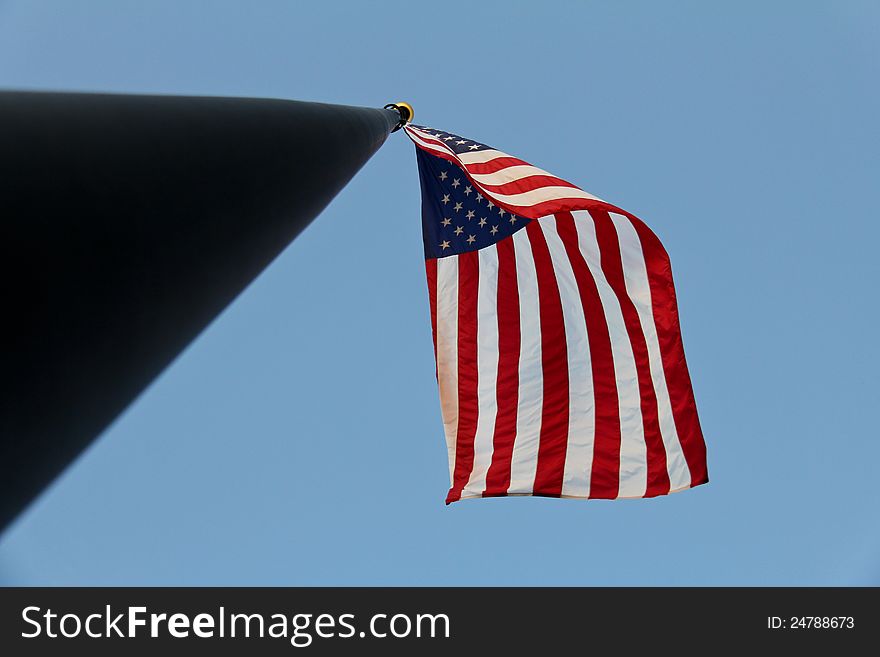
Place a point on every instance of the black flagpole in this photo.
(129, 223)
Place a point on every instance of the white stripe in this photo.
(633, 451)
(430, 146)
(409, 127)
(471, 157)
(422, 133)
(524, 461)
(520, 200)
(429, 142)
(639, 290)
(476, 157)
(581, 404)
(447, 350)
(479, 157)
(509, 175)
(487, 370)
(535, 196)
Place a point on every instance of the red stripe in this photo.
(542, 209)
(612, 266)
(678, 380)
(431, 271)
(554, 365)
(428, 139)
(503, 161)
(491, 166)
(556, 206)
(435, 149)
(605, 474)
(527, 184)
(468, 408)
(507, 387)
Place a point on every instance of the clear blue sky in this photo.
(299, 441)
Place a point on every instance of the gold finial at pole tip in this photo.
(405, 111)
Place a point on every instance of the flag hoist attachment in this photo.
(129, 223)
(405, 111)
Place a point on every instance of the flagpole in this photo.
(129, 223)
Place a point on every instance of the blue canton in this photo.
(457, 218)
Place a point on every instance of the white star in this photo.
(512, 219)
(482, 221)
(457, 207)
(494, 230)
(470, 214)
(473, 147)
(455, 182)
(461, 141)
(443, 175)
(467, 190)
(459, 230)
(500, 212)
(444, 245)
(471, 239)
(479, 197)
(491, 205)
(445, 199)
(448, 138)
(446, 221)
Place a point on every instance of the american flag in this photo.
(556, 334)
